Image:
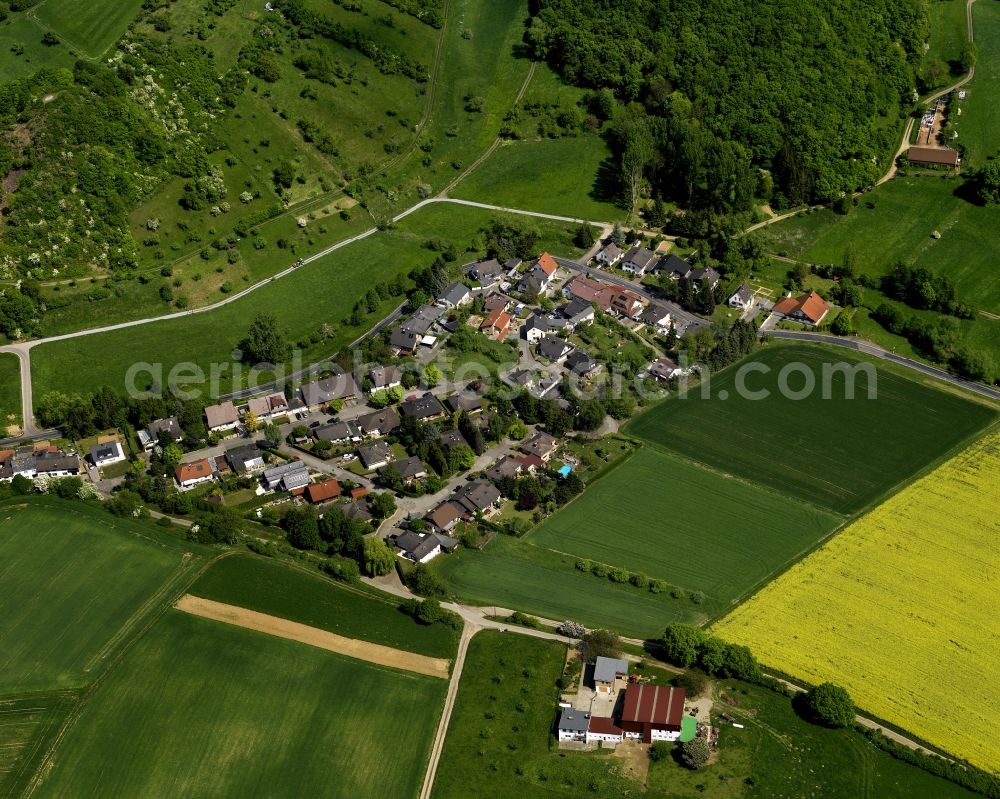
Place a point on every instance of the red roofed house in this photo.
(191, 474)
(497, 324)
(603, 729)
(626, 303)
(536, 280)
(809, 309)
(322, 491)
(586, 289)
(652, 712)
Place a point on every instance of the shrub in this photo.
(695, 753)
(830, 705)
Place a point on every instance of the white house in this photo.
(221, 417)
(189, 475)
(455, 296)
(609, 254)
(638, 260)
(269, 407)
(107, 453)
(742, 298)
(573, 724)
(664, 369)
(385, 377)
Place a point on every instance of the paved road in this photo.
(873, 349)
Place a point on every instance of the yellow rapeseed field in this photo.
(902, 608)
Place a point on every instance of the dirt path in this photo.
(321, 639)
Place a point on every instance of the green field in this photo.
(27, 727)
(555, 176)
(20, 31)
(91, 26)
(906, 211)
(672, 520)
(977, 127)
(72, 579)
(838, 453)
(202, 709)
(320, 292)
(10, 391)
(948, 30)
(281, 590)
(513, 573)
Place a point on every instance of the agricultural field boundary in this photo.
(321, 639)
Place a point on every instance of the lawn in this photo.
(321, 292)
(948, 32)
(901, 609)
(898, 228)
(72, 580)
(281, 590)
(697, 529)
(837, 453)
(555, 176)
(92, 26)
(10, 391)
(20, 30)
(203, 709)
(981, 110)
(512, 573)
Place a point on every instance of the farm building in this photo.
(933, 156)
(652, 712)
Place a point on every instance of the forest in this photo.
(714, 102)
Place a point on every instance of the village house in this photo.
(40, 460)
(577, 312)
(425, 407)
(626, 304)
(538, 277)
(450, 439)
(288, 476)
(378, 423)
(245, 459)
(541, 444)
(464, 401)
(169, 428)
(590, 291)
(106, 453)
(657, 317)
(322, 491)
(705, 274)
(582, 365)
(477, 496)
(357, 511)
(410, 469)
(742, 298)
(374, 455)
(221, 417)
(487, 273)
(445, 516)
(188, 475)
(504, 468)
(423, 320)
(267, 408)
(535, 328)
(339, 432)
(676, 268)
(573, 724)
(496, 301)
(609, 675)
(497, 324)
(320, 393)
(554, 349)
(638, 260)
(384, 377)
(810, 309)
(664, 369)
(609, 254)
(455, 296)
(418, 547)
(404, 342)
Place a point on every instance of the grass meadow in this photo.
(901, 609)
(70, 584)
(948, 31)
(203, 709)
(512, 573)
(320, 292)
(28, 726)
(840, 454)
(898, 228)
(676, 521)
(281, 590)
(977, 127)
(555, 176)
(90, 27)
(10, 391)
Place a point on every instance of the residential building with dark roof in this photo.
(374, 455)
(450, 439)
(287, 476)
(411, 469)
(676, 268)
(404, 342)
(464, 401)
(335, 387)
(339, 432)
(554, 349)
(418, 547)
(609, 254)
(486, 273)
(244, 459)
(638, 260)
(455, 296)
(169, 427)
(541, 444)
(477, 496)
(705, 274)
(581, 364)
(385, 377)
(424, 407)
(423, 320)
(445, 516)
(741, 298)
(378, 423)
(106, 454)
